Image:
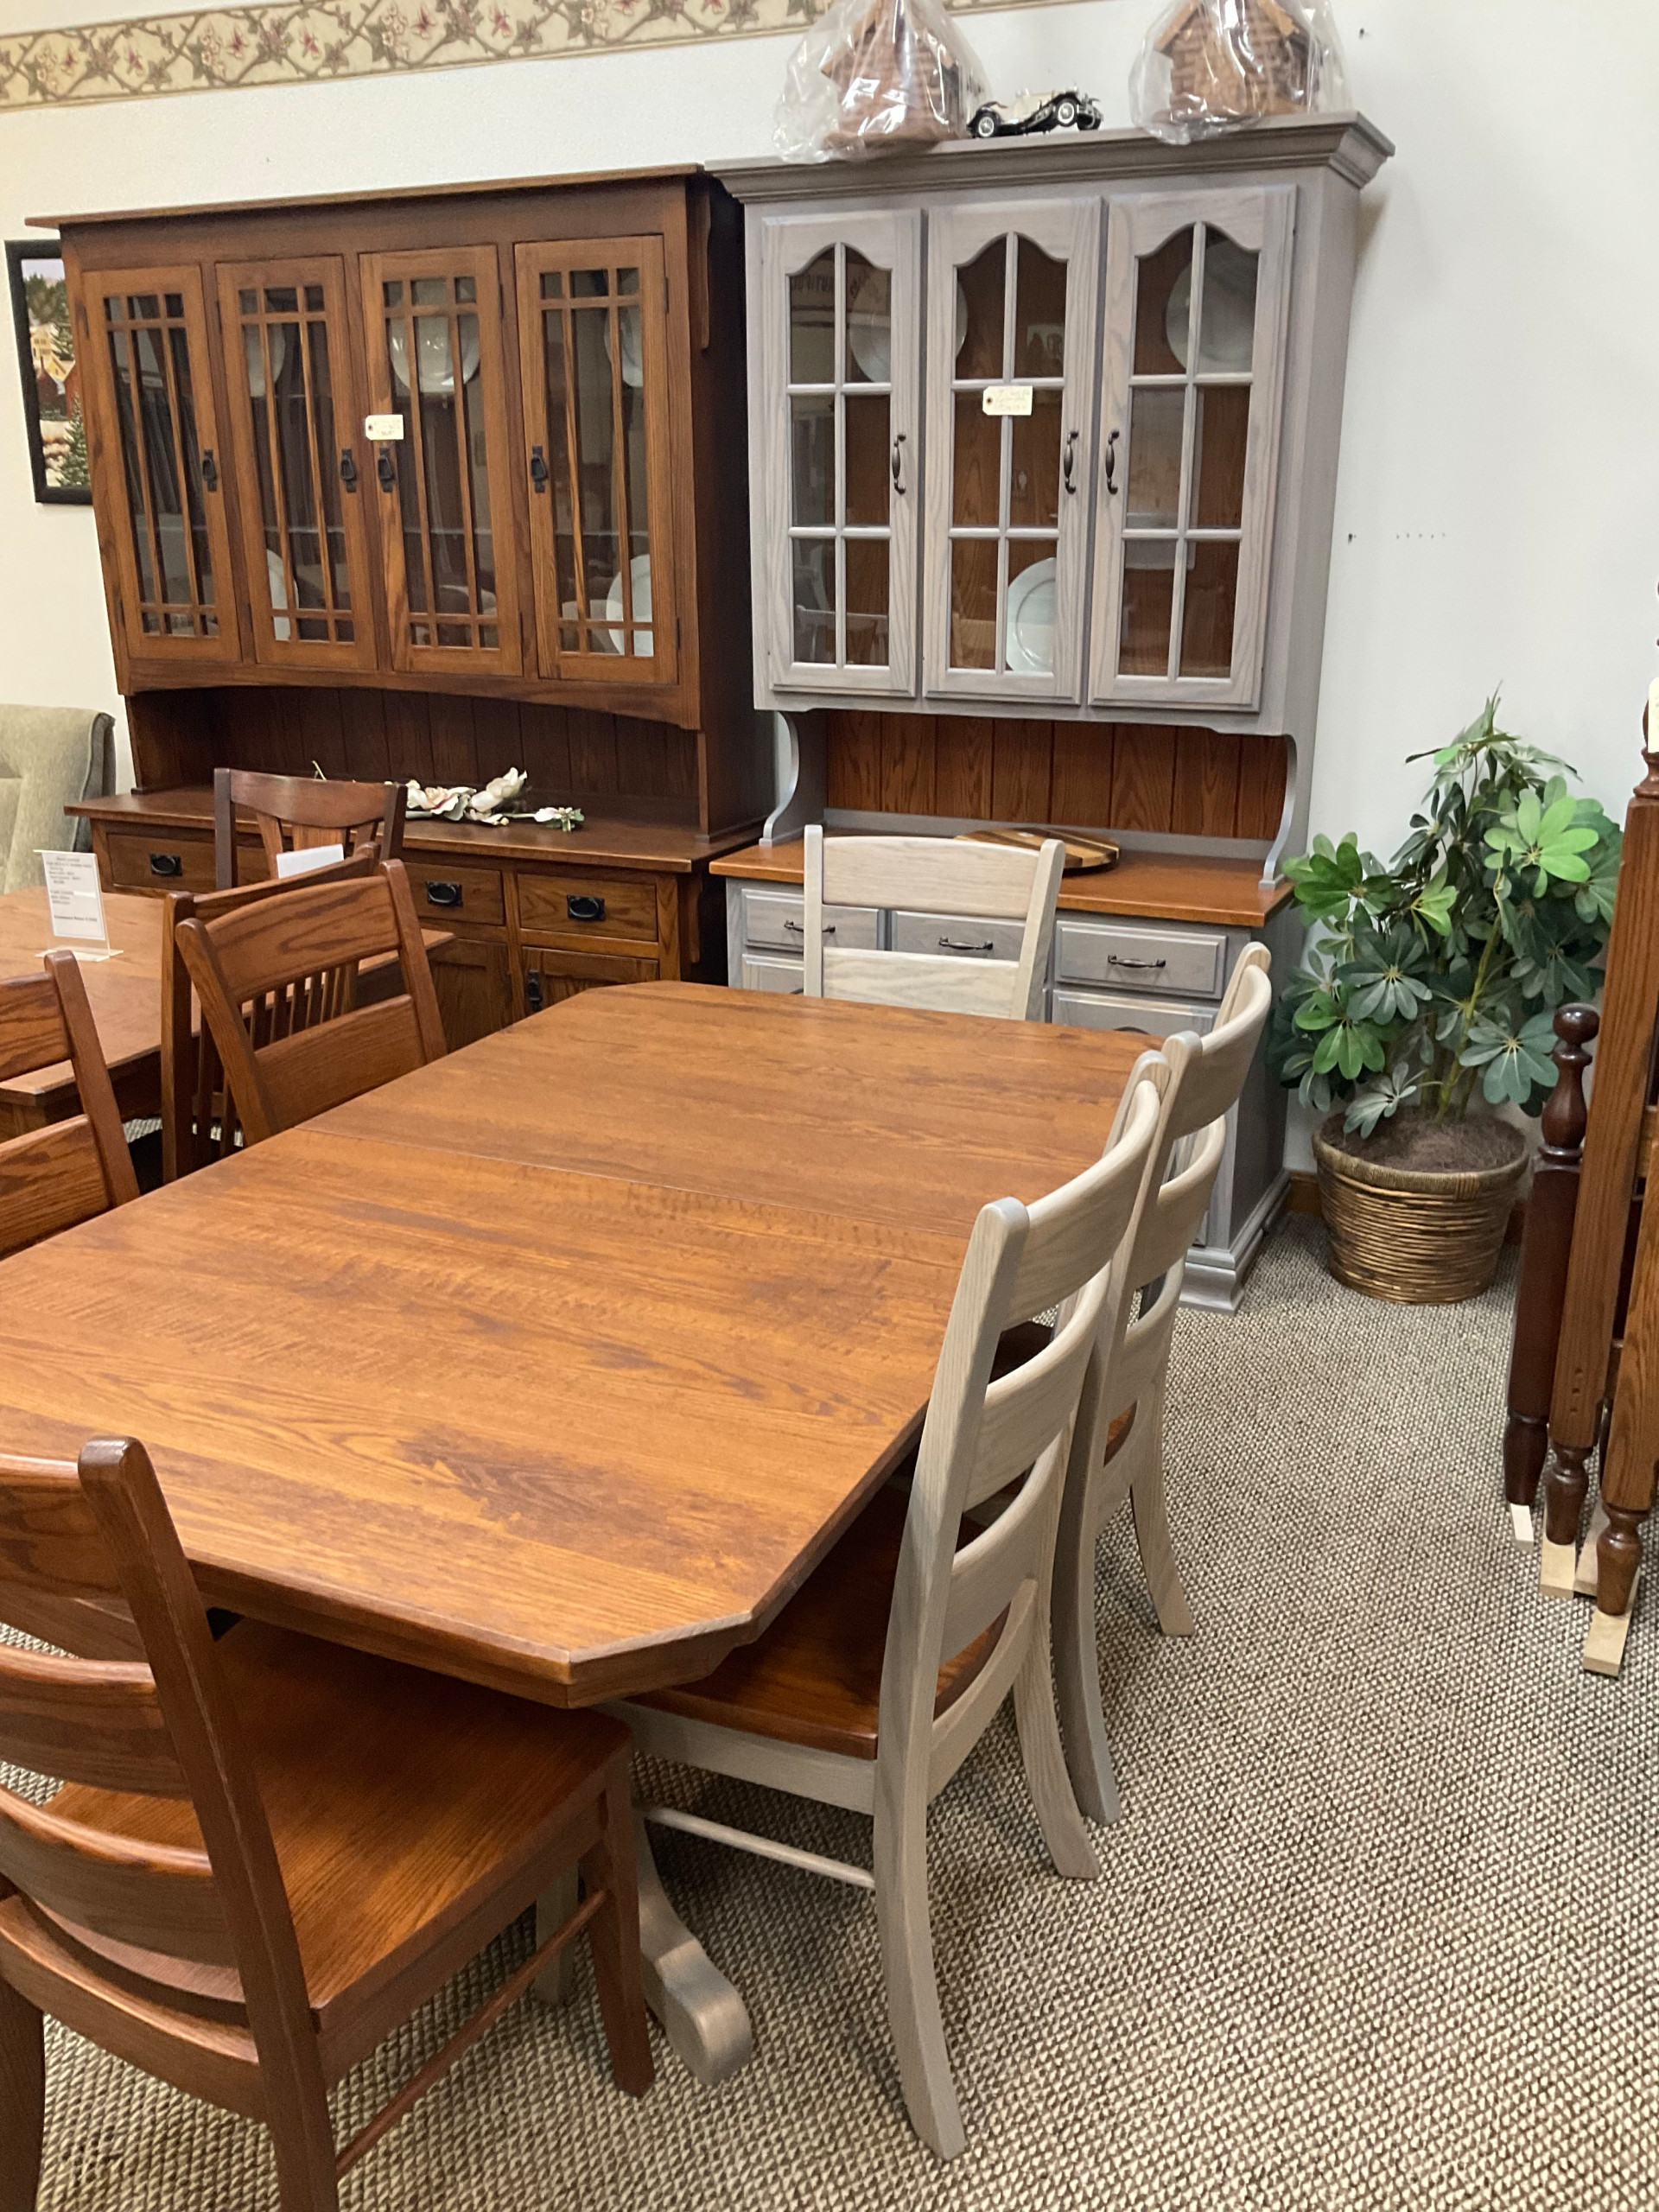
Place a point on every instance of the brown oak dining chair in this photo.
(958, 970)
(276, 979)
(876, 1680)
(267, 1853)
(1117, 1449)
(52, 1177)
(199, 1123)
(298, 813)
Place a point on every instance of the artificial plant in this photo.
(1434, 981)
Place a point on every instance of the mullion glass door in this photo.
(434, 332)
(149, 343)
(1194, 374)
(591, 320)
(1010, 324)
(843, 478)
(299, 473)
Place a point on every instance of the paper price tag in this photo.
(74, 895)
(1006, 399)
(308, 857)
(383, 429)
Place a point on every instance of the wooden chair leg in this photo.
(556, 1984)
(1043, 1757)
(22, 2100)
(301, 2132)
(613, 1941)
(1152, 1536)
(912, 1991)
(1077, 1660)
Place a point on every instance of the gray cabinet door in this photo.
(1012, 288)
(1198, 292)
(836, 450)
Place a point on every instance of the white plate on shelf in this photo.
(436, 369)
(1032, 605)
(1227, 340)
(640, 569)
(870, 331)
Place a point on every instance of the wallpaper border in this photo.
(301, 42)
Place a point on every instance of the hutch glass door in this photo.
(148, 344)
(1011, 317)
(1197, 297)
(839, 352)
(300, 466)
(433, 327)
(591, 326)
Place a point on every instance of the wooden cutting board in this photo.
(1082, 853)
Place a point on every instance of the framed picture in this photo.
(45, 360)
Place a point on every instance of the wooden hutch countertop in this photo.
(1165, 886)
(603, 840)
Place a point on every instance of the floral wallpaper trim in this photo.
(220, 49)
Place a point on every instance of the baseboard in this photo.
(1305, 1199)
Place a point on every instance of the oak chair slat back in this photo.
(276, 979)
(940, 875)
(53, 1178)
(1130, 1374)
(300, 813)
(972, 1615)
(172, 1939)
(199, 1123)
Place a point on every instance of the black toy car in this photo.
(1034, 112)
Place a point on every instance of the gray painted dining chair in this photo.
(1117, 1448)
(945, 876)
(877, 1679)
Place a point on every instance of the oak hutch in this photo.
(432, 483)
(1043, 451)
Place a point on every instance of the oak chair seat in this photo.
(389, 1793)
(815, 1677)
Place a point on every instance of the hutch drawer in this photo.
(453, 894)
(1146, 1017)
(777, 919)
(170, 860)
(759, 972)
(1133, 957)
(576, 902)
(968, 936)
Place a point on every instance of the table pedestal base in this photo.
(702, 2016)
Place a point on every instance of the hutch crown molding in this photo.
(431, 484)
(1043, 454)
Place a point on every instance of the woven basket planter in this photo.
(1421, 1236)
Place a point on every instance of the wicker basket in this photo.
(1421, 1236)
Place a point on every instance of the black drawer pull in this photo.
(583, 906)
(443, 894)
(954, 944)
(1113, 961)
(166, 864)
(533, 998)
(800, 928)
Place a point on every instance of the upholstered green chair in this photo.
(49, 757)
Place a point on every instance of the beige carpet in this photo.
(1380, 1922)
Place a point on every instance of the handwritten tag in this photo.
(383, 429)
(1006, 399)
(307, 858)
(74, 895)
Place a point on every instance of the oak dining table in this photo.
(557, 1364)
(123, 990)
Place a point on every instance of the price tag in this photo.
(1006, 399)
(307, 858)
(74, 893)
(383, 429)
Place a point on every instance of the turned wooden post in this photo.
(1544, 1255)
(1612, 1148)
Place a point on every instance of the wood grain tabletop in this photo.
(125, 993)
(557, 1383)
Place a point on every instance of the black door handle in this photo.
(533, 998)
(349, 468)
(385, 472)
(166, 864)
(537, 469)
(443, 894)
(1068, 466)
(210, 470)
(583, 906)
(1111, 464)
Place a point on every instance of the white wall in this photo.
(1500, 467)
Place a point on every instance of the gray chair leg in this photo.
(917, 2025)
(1151, 1528)
(1044, 1758)
(1077, 1662)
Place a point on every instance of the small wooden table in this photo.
(124, 993)
(558, 1364)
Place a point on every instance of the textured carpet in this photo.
(1379, 1925)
